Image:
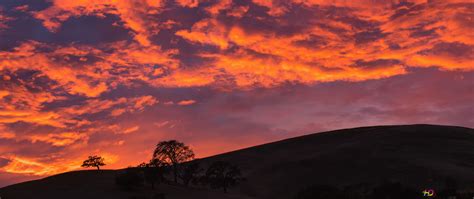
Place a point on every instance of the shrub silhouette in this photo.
(129, 179)
(190, 172)
(223, 175)
(173, 153)
(94, 161)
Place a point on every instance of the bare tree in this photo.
(94, 161)
(173, 153)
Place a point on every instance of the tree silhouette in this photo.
(222, 174)
(142, 165)
(153, 172)
(190, 172)
(173, 153)
(94, 161)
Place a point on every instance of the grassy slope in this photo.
(419, 155)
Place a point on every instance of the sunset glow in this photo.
(115, 77)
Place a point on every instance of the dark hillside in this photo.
(419, 156)
(416, 155)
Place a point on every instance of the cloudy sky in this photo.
(114, 77)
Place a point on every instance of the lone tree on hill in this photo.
(173, 153)
(222, 174)
(94, 161)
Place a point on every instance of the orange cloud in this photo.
(93, 106)
(134, 14)
(207, 31)
(3, 20)
(35, 166)
(5, 133)
(219, 6)
(279, 60)
(89, 79)
(186, 102)
(131, 130)
(261, 57)
(24, 166)
(61, 139)
(117, 112)
(4, 94)
(41, 118)
(141, 102)
(27, 56)
(269, 59)
(188, 3)
(116, 107)
(187, 78)
(366, 8)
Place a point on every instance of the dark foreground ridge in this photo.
(416, 156)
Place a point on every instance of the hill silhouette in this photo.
(419, 156)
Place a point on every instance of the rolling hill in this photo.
(418, 156)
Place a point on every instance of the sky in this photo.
(115, 77)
